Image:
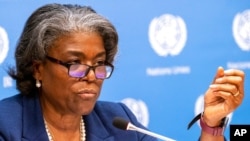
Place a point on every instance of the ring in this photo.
(237, 93)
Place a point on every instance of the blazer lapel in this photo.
(96, 131)
(33, 124)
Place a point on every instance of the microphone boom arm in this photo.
(132, 127)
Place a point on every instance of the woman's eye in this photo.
(74, 62)
(100, 63)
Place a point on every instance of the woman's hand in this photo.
(224, 95)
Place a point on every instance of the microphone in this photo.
(126, 125)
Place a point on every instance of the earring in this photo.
(38, 84)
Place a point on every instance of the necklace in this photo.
(82, 131)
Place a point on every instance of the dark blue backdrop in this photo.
(168, 54)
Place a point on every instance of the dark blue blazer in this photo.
(21, 119)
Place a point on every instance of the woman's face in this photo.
(66, 94)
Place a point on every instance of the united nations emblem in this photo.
(241, 30)
(167, 35)
(139, 109)
(4, 44)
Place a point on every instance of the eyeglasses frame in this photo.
(67, 65)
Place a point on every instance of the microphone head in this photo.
(120, 123)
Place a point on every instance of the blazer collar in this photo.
(95, 128)
(33, 124)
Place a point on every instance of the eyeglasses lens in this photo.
(78, 71)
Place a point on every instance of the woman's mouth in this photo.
(87, 94)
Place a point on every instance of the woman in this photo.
(62, 58)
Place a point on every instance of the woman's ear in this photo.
(37, 70)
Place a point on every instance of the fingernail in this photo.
(227, 71)
(212, 86)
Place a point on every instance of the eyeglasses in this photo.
(82, 70)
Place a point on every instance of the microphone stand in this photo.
(132, 127)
